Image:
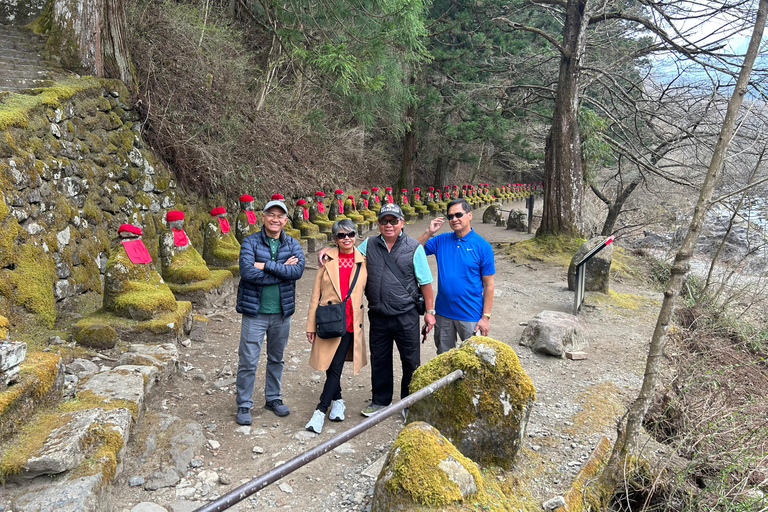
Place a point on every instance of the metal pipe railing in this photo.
(261, 481)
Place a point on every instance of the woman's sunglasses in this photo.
(458, 215)
(348, 234)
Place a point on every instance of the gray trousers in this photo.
(447, 329)
(252, 332)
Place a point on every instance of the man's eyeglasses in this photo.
(347, 234)
(458, 215)
(279, 216)
(391, 222)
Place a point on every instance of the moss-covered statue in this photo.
(387, 196)
(309, 232)
(418, 203)
(350, 211)
(336, 210)
(374, 203)
(184, 269)
(246, 221)
(221, 250)
(363, 207)
(132, 286)
(455, 192)
(318, 213)
(138, 304)
(402, 200)
(432, 201)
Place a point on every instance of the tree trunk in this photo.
(563, 177)
(90, 35)
(409, 151)
(442, 170)
(614, 208)
(627, 438)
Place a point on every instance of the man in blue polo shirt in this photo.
(465, 272)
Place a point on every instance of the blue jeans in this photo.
(252, 332)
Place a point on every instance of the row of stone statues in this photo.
(135, 289)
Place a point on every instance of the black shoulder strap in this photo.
(354, 280)
(395, 270)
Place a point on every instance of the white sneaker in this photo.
(316, 423)
(337, 410)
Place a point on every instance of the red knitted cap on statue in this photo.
(338, 191)
(246, 197)
(301, 202)
(416, 188)
(375, 189)
(388, 188)
(174, 215)
(218, 211)
(277, 197)
(130, 228)
(431, 188)
(351, 197)
(320, 193)
(403, 190)
(446, 186)
(363, 191)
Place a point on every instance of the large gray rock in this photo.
(492, 214)
(484, 414)
(597, 275)
(12, 353)
(150, 373)
(159, 479)
(421, 450)
(117, 385)
(554, 333)
(84, 494)
(185, 444)
(67, 446)
(146, 506)
(517, 220)
(164, 356)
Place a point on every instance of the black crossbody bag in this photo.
(418, 298)
(331, 319)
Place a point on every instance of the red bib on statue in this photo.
(137, 251)
(224, 224)
(179, 237)
(251, 216)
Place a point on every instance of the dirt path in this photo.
(576, 400)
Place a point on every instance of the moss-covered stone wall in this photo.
(73, 167)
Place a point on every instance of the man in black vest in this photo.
(392, 310)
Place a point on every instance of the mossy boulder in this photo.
(135, 290)
(424, 471)
(181, 265)
(98, 336)
(492, 214)
(484, 414)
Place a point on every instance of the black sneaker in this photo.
(278, 407)
(243, 416)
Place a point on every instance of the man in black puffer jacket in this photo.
(270, 263)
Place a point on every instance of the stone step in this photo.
(9, 84)
(23, 74)
(19, 64)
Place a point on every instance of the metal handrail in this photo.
(578, 298)
(261, 481)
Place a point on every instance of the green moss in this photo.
(187, 266)
(623, 303)
(17, 109)
(135, 174)
(30, 441)
(91, 212)
(217, 279)
(586, 493)
(143, 199)
(491, 395)
(37, 374)
(4, 327)
(9, 230)
(416, 455)
(32, 282)
(98, 336)
(105, 442)
(558, 250)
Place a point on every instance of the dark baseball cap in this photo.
(390, 209)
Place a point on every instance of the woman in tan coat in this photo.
(331, 286)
